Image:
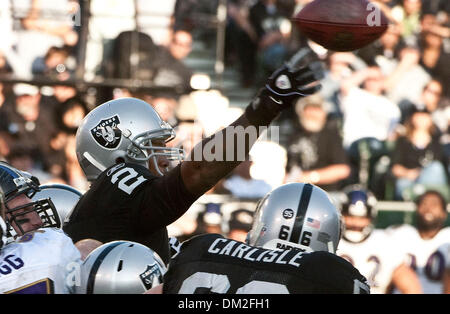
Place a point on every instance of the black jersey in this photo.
(127, 202)
(211, 263)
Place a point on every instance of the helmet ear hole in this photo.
(120, 160)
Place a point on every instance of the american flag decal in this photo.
(313, 223)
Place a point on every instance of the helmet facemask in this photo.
(142, 146)
(44, 208)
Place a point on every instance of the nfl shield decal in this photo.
(106, 132)
(151, 276)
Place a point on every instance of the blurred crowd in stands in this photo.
(381, 118)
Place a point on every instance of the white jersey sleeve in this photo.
(38, 263)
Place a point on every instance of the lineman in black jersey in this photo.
(290, 249)
(212, 264)
(121, 149)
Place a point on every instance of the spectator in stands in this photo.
(181, 45)
(315, 153)
(407, 78)
(366, 111)
(430, 100)
(438, 24)
(171, 70)
(435, 59)
(20, 158)
(57, 157)
(162, 65)
(43, 24)
(239, 224)
(30, 124)
(5, 105)
(407, 15)
(189, 13)
(70, 114)
(272, 25)
(5, 92)
(384, 50)
(340, 65)
(418, 157)
(68, 117)
(61, 93)
(54, 61)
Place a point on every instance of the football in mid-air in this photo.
(341, 25)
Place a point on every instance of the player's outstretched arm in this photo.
(219, 154)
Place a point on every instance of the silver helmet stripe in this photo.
(96, 266)
(93, 161)
(301, 212)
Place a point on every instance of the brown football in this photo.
(341, 25)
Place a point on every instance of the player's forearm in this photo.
(216, 156)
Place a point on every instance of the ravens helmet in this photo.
(296, 215)
(122, 130)
(120, 267)
(358, 202)
(15, 183)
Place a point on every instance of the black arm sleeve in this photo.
(164, 200)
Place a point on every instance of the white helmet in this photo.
(63, 196)
(296, 215)
(120, 267)
(122, 130)
(13, 184)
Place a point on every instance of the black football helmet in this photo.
(14, 183)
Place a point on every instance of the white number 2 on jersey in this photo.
(129, 182)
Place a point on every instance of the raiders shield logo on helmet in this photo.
(106, 132)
